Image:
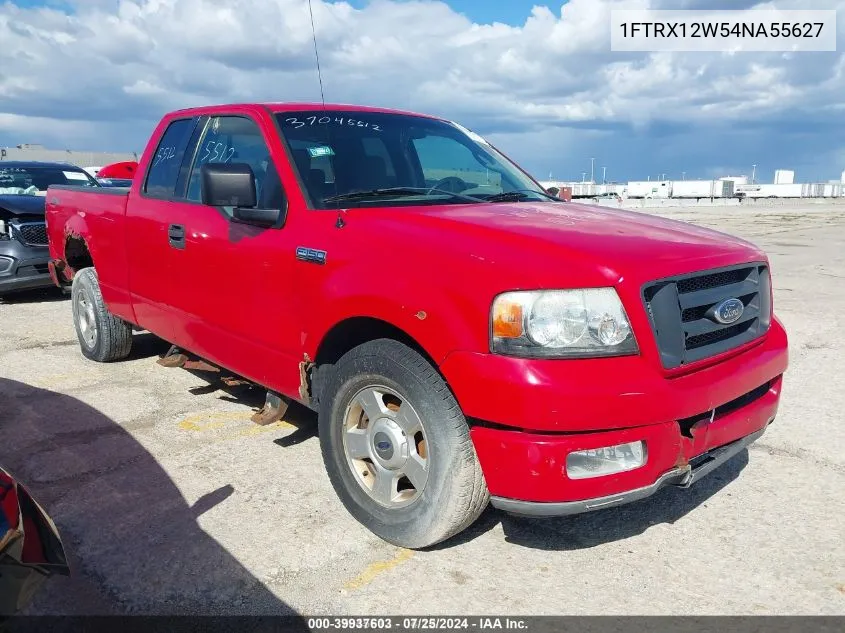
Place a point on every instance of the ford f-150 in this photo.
(463, 335)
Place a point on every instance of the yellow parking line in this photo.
(375, 569)
(54, 380)
(212, 421)
(205, 422)
(256, 429)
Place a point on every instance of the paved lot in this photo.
(171, 501)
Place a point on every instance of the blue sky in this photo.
(543, 84)
(506, 11)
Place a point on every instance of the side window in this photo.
(237, 139)
(165, 164)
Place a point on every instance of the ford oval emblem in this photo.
(729, 311)
(383, 446)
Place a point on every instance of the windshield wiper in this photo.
(518, 194)
(395, 192)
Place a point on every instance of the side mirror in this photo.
(228, 185)
(553, 191)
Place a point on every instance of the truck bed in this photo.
(73, 215)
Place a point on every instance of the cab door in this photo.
(235, 287)
(148, 220)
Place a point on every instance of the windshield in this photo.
(376, 159)
(33, 181)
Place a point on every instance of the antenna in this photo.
(317, 55)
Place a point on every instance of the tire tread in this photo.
(115, 334)
(470, 495)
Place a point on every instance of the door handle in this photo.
(176, 235)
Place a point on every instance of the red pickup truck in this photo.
(463, 335)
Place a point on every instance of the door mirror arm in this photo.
(266, 218)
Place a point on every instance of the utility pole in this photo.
(592, 170)
(753, 173)
(604, 175)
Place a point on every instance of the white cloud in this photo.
(124, 63)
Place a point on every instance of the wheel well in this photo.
(355, 331)
(346, 335)
(77, 255)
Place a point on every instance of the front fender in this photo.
(440, 323)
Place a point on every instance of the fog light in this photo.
(6, 264)
(607, 460)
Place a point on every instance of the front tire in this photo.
(397, 446)
(102, 336)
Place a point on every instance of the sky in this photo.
(538, 79)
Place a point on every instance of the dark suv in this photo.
(23, 234)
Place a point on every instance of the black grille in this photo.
(682, 312)
(713, 280)
(694, 342)
(33, 233)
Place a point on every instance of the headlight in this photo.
(583, 323)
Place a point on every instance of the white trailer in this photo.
(649, 189)
(777, 191)
(696, 189)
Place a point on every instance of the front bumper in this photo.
(23, 267)
(682, 477)
(530, 415)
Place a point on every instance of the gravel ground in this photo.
(171, 501)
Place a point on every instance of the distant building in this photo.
(784, 177)
(842, 180)
(29, 151)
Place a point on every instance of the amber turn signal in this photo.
(507, 319)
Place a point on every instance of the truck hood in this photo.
(22, 205)
(616, 238)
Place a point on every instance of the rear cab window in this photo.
(166, 163)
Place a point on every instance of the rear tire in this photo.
(415, 435)
(102, 336)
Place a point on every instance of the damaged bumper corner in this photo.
(682, 477)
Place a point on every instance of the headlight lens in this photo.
(586, 322)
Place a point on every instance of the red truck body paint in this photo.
(237, 296)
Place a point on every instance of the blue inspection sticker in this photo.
(323, 150)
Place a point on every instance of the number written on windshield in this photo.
(327, 120)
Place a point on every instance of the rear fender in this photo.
(76, 228)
